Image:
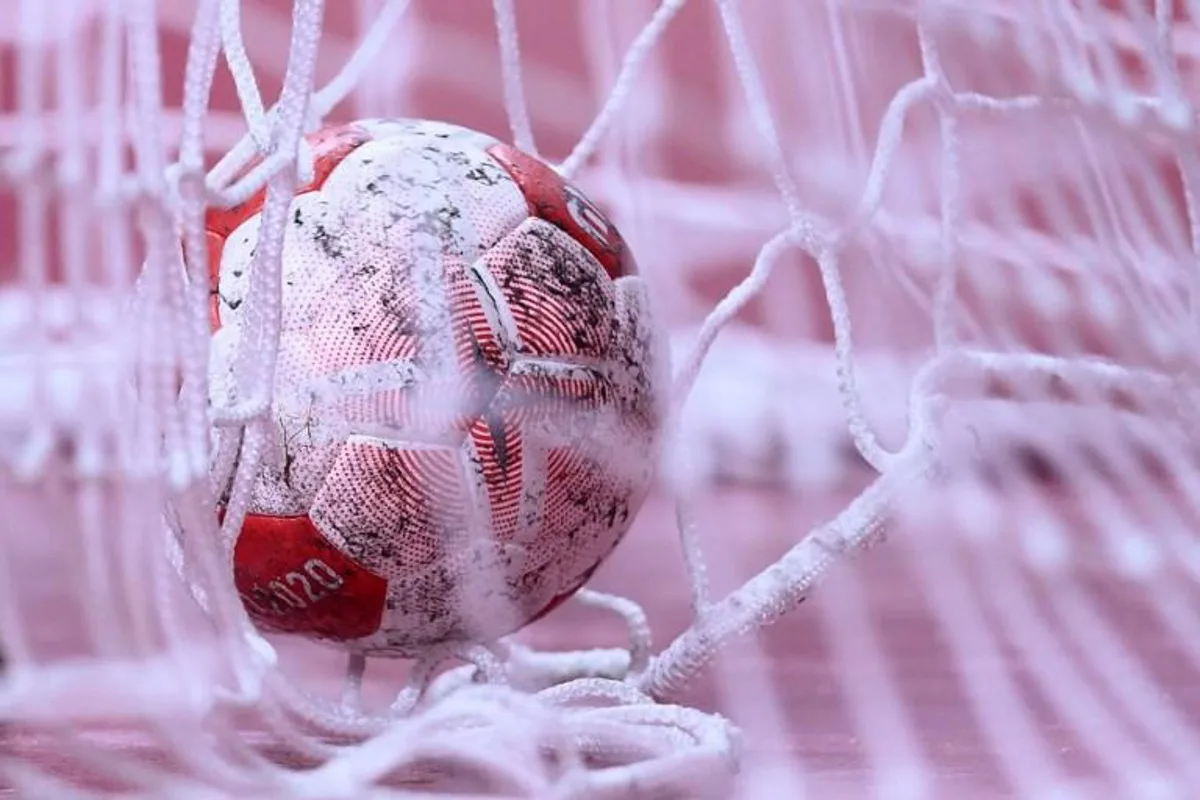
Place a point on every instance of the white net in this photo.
(998, 195)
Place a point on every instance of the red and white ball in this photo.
(402, 506)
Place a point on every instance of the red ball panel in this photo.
(553, 199)
(292, 580)
(330, 146)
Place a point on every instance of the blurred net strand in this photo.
(142, 635)
(505, 13)
(1002, 741)
(1009, 602)
(631, 63)
(873, 697)
(222, 186)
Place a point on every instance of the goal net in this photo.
(929, 274)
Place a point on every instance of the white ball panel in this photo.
(455, 188)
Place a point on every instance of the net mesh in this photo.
(1000, 196)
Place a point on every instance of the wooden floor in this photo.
(812, 727)
(814, 663)
(809, 692)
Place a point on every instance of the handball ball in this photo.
(468, 397)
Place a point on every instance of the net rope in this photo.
(1060, 303)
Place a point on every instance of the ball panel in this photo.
(555, 200)
(296, 462)
(294, 467)
(317, 261)
(499, 460)
(471, 594)
(293, 580)
(576, 487)
(222, 355)
(559, 299)
(481, 358)
(480, 341)
(639, 367)
(584, 517)
(394, 187)
(394, 508)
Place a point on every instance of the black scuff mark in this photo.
(329, 243)
(484, 175)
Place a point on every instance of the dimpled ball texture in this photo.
(468, 398)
